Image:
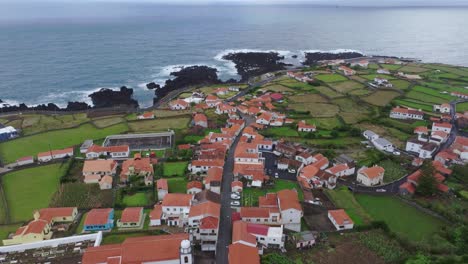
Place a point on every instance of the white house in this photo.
(445, 127)
(361, 63)
(443, 108)
(303, 127)
(305, 157)
(55, 154)
(178, 104)
(115, 152)
(25, 161)
(383, 144)
(176, 208)
(156, 215)
(424, 149)
(202, 166)
(340, 219)
(291, 210)
(404, 113)
(264, 119)
(162, 188)
(370, 135)
(341, 170)
(371, 176)
(383, 71)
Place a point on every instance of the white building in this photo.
(54, 154)
(383, 144)
(445, 127)
(443, 108)
(370, 135)
(176, 208)
(340, 219)
(370, 176)
(404, 113)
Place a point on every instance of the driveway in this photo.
(271, 169)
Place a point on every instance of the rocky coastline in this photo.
(313, 57)
(249, 64)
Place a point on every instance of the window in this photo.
(186, 260)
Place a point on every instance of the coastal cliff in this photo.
(313, 57)
(110, 98)
(250, 64)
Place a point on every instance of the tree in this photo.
(427, 184)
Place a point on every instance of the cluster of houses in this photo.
(380, 82)
(45, 156)
(203, 101)
(425, 143)
(412, 181)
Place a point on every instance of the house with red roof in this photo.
(264, 119)
(176, 208)
(25, 161)
(303, 127)
(55, 154)
(276, 96)
(138, 167)
(370, 176)
(41, 227)
(194, 187)
(237, 186)
(212, 100)
(115, 152)
(242, 254)
(174, 248)
(264, 235)
(156, 215)
(213, 179)
(340, 219)
(99, 219)
(132, 218)
(202, 166)
(360, 63)
(95, 171)
(178, 104)
(162, 187)
(346, 70)
(203, 222)
(442, 126)
(459, 95)
(442, 108)
(146, 115)
(406, 113)
(200, 120)
(340, 170)
(221, 91)
(409, 187)
(225, 109)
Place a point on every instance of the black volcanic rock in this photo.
(188, 76)
(250, 64)
(152, 85)
(77, 106)
(313, 57)
(110, 98)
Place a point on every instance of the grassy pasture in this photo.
(30, 189)
(329, 78)
(328, 92)
(156, 125)
(381, 98)
(424, 97)
(317, 109)
(346, 87)
(400, 84)
(342, 198)
(308, 98)
(174, 168)
(412, 69)
(106, 122)
(414, 104)
(11, 150)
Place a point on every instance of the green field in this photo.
(328, 78)
(425, 97)
(281, 132)
(414, 104)
(137, 199)
(344, 199)
(433, 92)
(401, 218)
(381, 98)
(177, 184)
(30, 189)
(157, 125)
(308, 98)
(462, 107)
(328, 92)
(450, 69)
(250, 195)
(373, 76)
(391, 67)
(347, 86)
(317, 109)
(31, 124)
(11, 150)
(109, 121)
(400, 84)
(174, 168)
(325, 123)
(393, 170)
(412, 69)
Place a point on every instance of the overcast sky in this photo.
(321, 2)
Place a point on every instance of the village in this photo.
(253, 173)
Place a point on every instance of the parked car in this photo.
(235, 203)
(235, 196)
(277, 153)
(380, 190)
(276, 175)
(397, 153)
(292, 170)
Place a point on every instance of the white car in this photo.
(235, 196)
(235, 203)
(276, 175)
(380, 190)
(291, 170)
(397, 153)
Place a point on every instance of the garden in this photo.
(250, 195)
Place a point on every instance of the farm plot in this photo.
(157, 125)
(32, 124)
(347, 86)
(433, 92)
(329, 78)
(423, 97)
(400, 217)
(412, 69)
(381, 98)
(462, 107)
(106, 122)
(277, 88)
(393, 170)
(317, 109)
(360, 92)
(327, 123)
(328, 92)
(82, 195)
(30, 189)
(450, 69)
(400, 84)
(391, 67)
(280, 132)
(308, 98)
(11, 150)
(414, 104)
(370, 77)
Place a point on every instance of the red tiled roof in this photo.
(237, 184)
(99, 166)
(257, 229)
(25, 158)
(372, 172)
(209, 222)
(161, 184)
(442, 124)
(97, 216)
(194, 184)
(131, 214)
(309, 171)
(409, 187)
(55, 152)
(239, 233)
(338, 168)
(214, 174)
(48, 214)
(407, 111)
(269, 200)
(288, 199)
(156, 213)
(340, 216)
(177, 199)
(35, 227)
(242, 254)
(200, 118)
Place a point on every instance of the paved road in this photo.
(225, 224)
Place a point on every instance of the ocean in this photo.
(64, 53)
